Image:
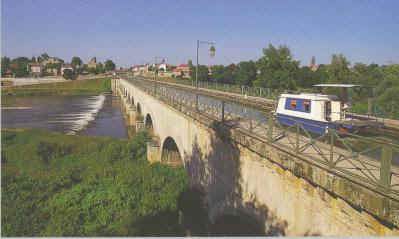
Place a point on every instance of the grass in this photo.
(60, 185)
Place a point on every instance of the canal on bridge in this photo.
(247, 117)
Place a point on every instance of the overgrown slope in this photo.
(59, 185)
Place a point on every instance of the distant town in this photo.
(49, 66)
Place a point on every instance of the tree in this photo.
(305, 77)
(44, 56)
(224, 74)
(68, 74)
(338, 70)
(5, 65)
(76, 62)
(99, 68)
(109, 65)
(388, 102)
(19, 66)
(218, 73)
(190, 63)
(245, 73)
(321, 74)
(277, 68)
(203, 73)
(387, 91)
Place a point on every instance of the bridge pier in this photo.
(154, 150)
(131, 115)
(139, 124)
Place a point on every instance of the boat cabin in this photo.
(316, 112)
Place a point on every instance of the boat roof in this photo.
(337, 85)
(310, 96)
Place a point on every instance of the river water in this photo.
(97, 115)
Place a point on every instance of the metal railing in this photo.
(362, 159)
(244, 90)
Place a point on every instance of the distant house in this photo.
(163, 67)
(92, 63)
(182, 70)
(66, 66)
(52, 71)
(140, 69)
(35, 69)
(52, 60)
(136, 68)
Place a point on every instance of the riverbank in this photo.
(76, 87)
(59, 185)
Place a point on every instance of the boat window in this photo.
(293, 104)
(306, 105)
(300, 105)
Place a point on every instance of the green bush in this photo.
(60, 185)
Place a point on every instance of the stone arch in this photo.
(149, 124)
(170, 153)
(132, 100)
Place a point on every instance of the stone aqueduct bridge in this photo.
(285, 194)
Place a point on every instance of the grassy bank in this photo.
(76, 87)
(59, 185)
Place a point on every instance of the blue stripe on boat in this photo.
(317, 127)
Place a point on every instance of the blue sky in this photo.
(134, 32)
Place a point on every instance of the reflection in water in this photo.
(88, 115)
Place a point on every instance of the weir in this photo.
(292, 183)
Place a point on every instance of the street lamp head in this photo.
(212, 51)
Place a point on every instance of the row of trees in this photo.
(18, 66)
(277, 69)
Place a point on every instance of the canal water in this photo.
(98, 115)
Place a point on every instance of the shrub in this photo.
(59, 185)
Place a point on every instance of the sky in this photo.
(136, 31)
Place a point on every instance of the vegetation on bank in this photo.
(77, 87)
(60, 185)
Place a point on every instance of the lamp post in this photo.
(212, 51)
